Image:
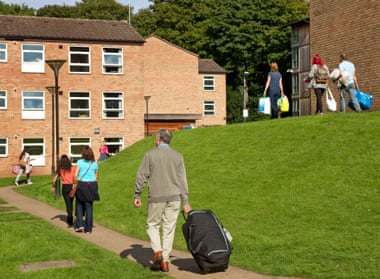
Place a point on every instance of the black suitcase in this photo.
(207, 241)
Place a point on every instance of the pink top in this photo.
(103, 149)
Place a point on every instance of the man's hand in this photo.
(187, 208)
(137, 203)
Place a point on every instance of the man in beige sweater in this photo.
(163, 169)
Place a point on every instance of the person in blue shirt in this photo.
(352, 84)
(86, 175)
(274, 84)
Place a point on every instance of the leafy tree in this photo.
(13, 9)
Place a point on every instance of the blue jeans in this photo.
(84, 208)
(350, 89)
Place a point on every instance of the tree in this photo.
(18, 10)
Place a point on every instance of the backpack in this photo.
(322, 75)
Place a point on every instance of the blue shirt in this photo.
(86, 172)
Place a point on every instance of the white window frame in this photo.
(208, 83)
(29, 111)
(80, 67)
(3, 147)
(107, 99)
(114, 144)
(76, 145)
(110, 66)
(3, 52)
(209, 108)
(3, 99)
(80, 112)
(35, 144)
(36, 50)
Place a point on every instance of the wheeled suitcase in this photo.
(207, 241)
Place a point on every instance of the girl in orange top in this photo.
(66, 171)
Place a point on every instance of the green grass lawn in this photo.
(300, 196)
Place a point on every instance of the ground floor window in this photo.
(36, 149)
(75, 146)
(114, 144)
(3, 147)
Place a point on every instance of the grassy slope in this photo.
(300, 196)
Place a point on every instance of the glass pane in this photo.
(112, 104)
(80, 58)
(32, 47)
(32, 57)
(2, 46)
(3, 141)
(79, 104)
(33, 104)
(2, 150)
(33, 94)
(112, 59)
(35, 140)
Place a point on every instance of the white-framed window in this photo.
(76, 146)
(33, 105)
(114, 144)
(3, 147)
(79, 59)
(79, 105)
(208, 83)
(3, 99)
(113, 105)
(33, 58)
(209, 108)
(3, 52)
(112, 60)
(36, 149)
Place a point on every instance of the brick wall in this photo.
(351, 27)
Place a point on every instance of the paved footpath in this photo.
(182, 264)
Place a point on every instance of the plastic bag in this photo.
(264, 105)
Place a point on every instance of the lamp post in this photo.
(56, 65)
(147, 114)
(245, 96)
(51, 89)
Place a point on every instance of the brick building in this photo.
(340, 26)
(109, 69)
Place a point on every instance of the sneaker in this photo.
(30, 183)
(79, 230)
(16, 183)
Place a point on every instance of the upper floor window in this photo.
(33, 59)
(3, 52)
(112, 60)
(209, 108)
(3, 99)
(76, 146)
(113, 105)
(33, 105)
(208, 83)
(79, 60)
(79, 104)
(3, 147)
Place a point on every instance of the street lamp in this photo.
(245, 96)
(51, 89)
(55, 65)
(147, 114)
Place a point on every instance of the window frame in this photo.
(32, 67)
(5, 98)
(119, 100)
(33, 112)
(4, 146)
(32, 143)
(119, 66)
(83, 113)
(73, 65)
(209, 112)
(208, 87)
(5, 51)
(114, 144)
(77, 143)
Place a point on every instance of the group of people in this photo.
(344, 75)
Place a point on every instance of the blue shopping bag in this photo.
(364, 100)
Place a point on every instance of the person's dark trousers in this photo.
(319, 94)
(273, 105)
(66, 188)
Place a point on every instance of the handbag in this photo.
(330, 101)
(284, 104)
(16, 168)
(22, 163)
(364, 100)
(264, 105)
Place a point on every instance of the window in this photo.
(33, 105)
(3, 52)
(208, 83)
(33, 59)
(79, 104)
(3, 147)
(3, 99)
(209, 108)
(36, 147)
(112, 60)
(79, 60)
(114, 144)
(113, 105)
(76, 146)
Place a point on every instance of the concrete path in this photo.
(182, 264)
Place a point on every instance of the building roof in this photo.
(209, 66)
(67, 29)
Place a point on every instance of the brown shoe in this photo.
(165, 266)
(157, 260)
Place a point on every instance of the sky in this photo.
(36, 4)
